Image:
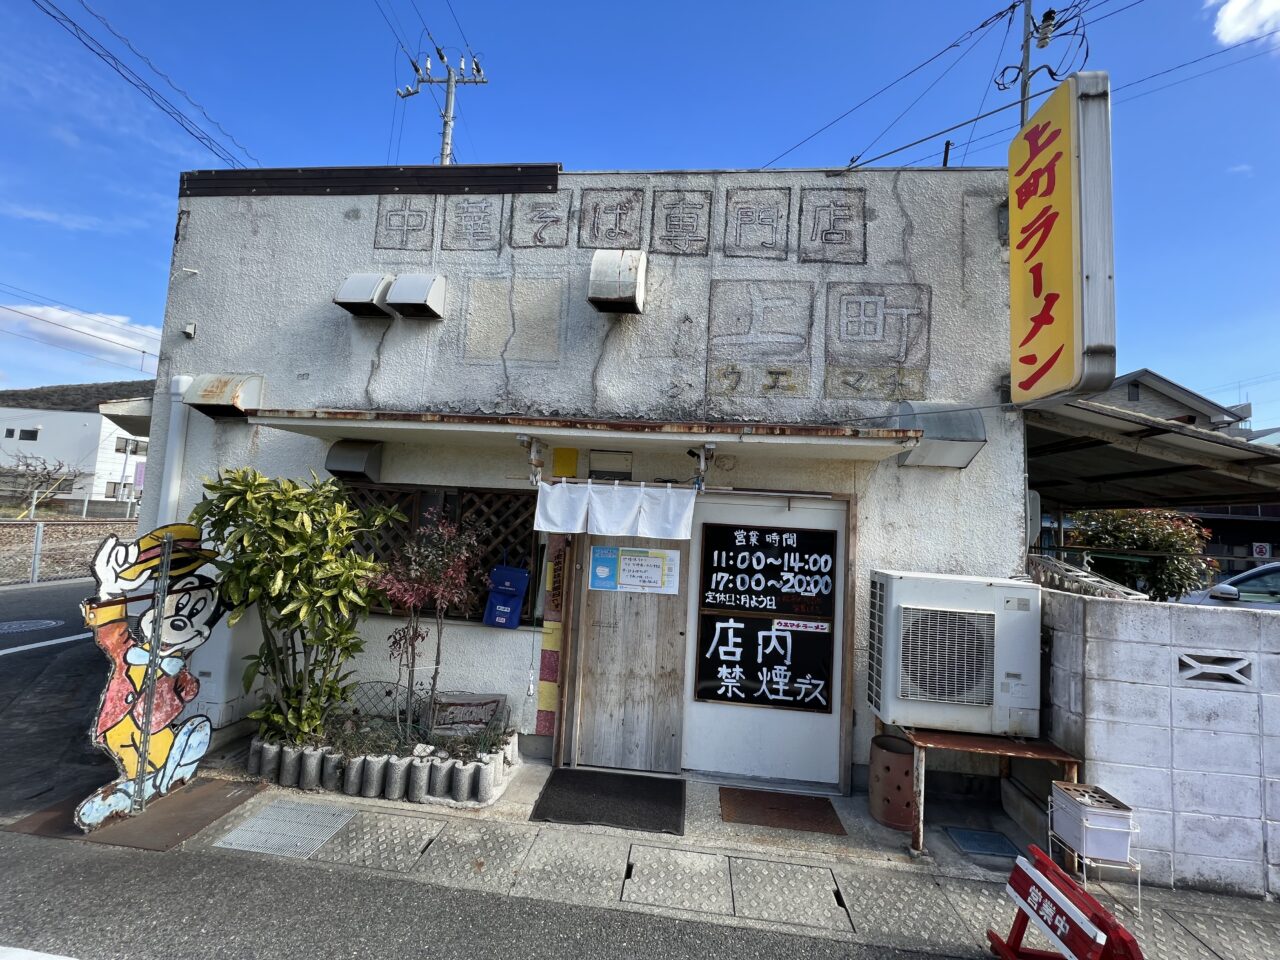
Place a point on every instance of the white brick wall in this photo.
(1198, 761)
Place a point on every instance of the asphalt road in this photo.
(94, 902)
(45, 611)
(48, 699)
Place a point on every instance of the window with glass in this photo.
(1264, 587)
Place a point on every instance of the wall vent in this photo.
(948, 656)
(1223, 670)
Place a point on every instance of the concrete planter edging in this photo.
(421, 777)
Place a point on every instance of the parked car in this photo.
(1259, 587)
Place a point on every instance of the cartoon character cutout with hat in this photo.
(191, 609)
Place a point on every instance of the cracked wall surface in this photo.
(793, 296)
(779, 296)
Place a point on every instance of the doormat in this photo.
(982, 843)
(782, 811)
(624, 800)
(165, 824)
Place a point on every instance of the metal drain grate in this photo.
(982, 843)
(287, 829)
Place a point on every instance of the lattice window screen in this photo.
(508, 515)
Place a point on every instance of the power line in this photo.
(888, 86)
(427, 30)
(449, 4)
(88, 315)
(83, 333)
(969, 49)
(1194, 76)
(987, 89)
(399, 25)
(954, 126)
(1207, 56)
(57, 346)
(167, 79)
(395, 104)
(205, 139)
(1042, 93)
(1113, 12)
(1249, 382)
(393, 30)
(1136, 96)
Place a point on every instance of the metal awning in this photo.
(1089, 455)
(792, 440)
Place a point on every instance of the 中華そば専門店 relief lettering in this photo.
(757, 222)
(833, 225)
(405, 223)
(610, 219)
(681, 222)
(472, 223)
(540, 221)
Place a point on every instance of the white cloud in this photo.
(1246, 169)
(107, 336)
(65, 136)
(70, 221)
(1244, 19)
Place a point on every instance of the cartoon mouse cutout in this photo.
(192, 607)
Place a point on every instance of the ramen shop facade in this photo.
(699, 407)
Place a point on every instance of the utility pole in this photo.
(1024, 75)
(451, 79)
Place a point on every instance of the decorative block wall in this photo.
(1176, 711)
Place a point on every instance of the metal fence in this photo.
(46, 550)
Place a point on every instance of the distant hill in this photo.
(81, 397)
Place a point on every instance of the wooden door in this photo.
(631, 680)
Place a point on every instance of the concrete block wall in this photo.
(1196, 756)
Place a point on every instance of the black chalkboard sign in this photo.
(769, 570)
(766, 625)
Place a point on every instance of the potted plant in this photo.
(291, 550)
(437, 571)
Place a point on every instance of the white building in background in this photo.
(62, 424)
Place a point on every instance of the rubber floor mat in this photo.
(624, 800)
(783, 811)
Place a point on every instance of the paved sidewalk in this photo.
(861, 889)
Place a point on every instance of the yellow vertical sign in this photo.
(1044, 251)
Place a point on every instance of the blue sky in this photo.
(89, 169)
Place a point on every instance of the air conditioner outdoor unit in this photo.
(955, 653)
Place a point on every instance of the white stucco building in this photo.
(791, 322)
(62, 424)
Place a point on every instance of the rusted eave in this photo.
(824, 431)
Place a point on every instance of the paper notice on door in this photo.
(634, 570)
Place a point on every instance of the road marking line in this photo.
(44, 643)
(16, 953)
